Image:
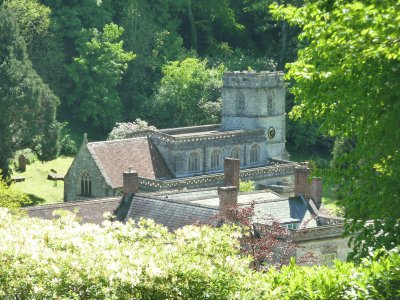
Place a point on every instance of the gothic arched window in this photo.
(194, 161)
(240, 103)
(216, 159)
(254, 154)
(86, 184)
(236, 152)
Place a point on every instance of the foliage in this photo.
(30, 156)
(67, 144)
(133, 261)
(10, 198)
(28, 105)
(189, 93)
(33, 17)
(125, 130)
(150, 33)
(347, 80)
(96, 74)
(260, 239)
(45, 259)
(246, 186)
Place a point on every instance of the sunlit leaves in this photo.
(347, 79)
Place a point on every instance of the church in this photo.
(252, 130)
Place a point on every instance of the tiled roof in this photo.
(88, 211)
(171, 213)
(116, 157)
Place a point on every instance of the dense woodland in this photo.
(68, 67)
(102, 62)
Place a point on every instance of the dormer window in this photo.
(293, 226)
(86, 184)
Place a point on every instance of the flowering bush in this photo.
(61, 259)
(125, 130)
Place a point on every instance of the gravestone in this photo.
(22, 163)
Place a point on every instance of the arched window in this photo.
(194, 161)
(254, 154)
(216, 159)
(240, 103)
(236, 153)
(86, 184)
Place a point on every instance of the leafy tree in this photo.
(28, 105)
(189, 93)
(96, 74)
(347, 80)
(150, 31)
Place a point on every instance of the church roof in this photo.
(115, 157)
(88, 211)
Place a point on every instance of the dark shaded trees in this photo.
(28, 105)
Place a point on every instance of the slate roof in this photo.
(271, 206)
(115, 157)
(89, 211)
(170, 213)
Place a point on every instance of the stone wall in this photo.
(322, 241)
(176, 150)
(260, 175)
(72, 181)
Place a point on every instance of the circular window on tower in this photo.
(271, 132)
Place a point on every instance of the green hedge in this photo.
(62, 259)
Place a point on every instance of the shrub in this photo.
(247, 186)
(127, 130)
(61, 259)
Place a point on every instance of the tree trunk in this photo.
(282, 54)
(193, 31)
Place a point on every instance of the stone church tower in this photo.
(256, 100)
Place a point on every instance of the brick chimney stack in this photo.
(301, 183)
(231, 171)
(316, 191)
(227, 200)
(131, 182)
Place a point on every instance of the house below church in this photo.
(303, 214)
(252, 130)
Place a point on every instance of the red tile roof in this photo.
(115, 157)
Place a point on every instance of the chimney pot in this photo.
(130, 181)
(231, 172)
(316, 191)
(227, 200)
(301, 183)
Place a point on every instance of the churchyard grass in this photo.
(39, 189)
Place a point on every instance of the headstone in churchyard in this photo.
(22, 163)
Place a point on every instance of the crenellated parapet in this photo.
(244, 79)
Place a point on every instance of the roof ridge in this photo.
(117, 140)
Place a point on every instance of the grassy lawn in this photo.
(36, 185)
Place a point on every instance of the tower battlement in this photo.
(245, 79)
